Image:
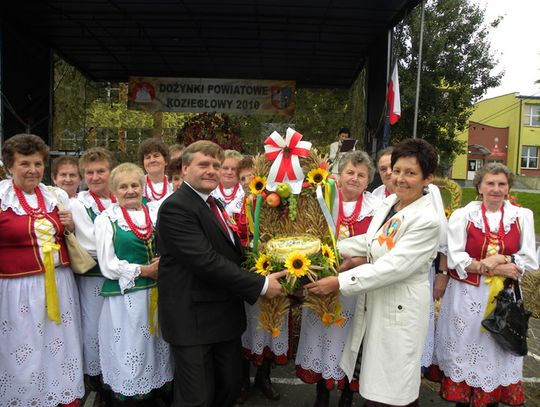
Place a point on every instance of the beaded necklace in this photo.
(144, 232)
(228, 198)
(99, 204)
(348, 220)
(37, 213)
(153, 194)
(495, 241)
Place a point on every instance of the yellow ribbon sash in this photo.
(44, 228)
(152, 314)
(496, 284)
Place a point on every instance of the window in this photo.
(529, 157)
(532, 115)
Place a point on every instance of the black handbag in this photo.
(509, 321)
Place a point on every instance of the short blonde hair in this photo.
(232, 154)
(126, 168)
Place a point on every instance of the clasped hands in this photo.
(497, 266)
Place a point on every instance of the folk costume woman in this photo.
(320, 346)
(41, 353)
(488, 241)
(95, 166)
(154, 157)
(134, 358)
(229, 191)
(392, 290)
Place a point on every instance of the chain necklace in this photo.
(144, 232)
(153, 195)
(99, 204)
(38, 212)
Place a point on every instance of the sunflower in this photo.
(317, 176)
(297, 264)
(328, 254)
(257, 185)
(263, 265)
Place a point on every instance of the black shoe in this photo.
(263, 383)
(346, 398)
(323, 395)
(243, 395)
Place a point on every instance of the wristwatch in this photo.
(510, 259)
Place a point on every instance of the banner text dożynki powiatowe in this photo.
(196, 95)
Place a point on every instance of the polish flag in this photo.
(394, 104)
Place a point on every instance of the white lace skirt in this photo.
(91, 303)
(40, 361)
(255, 339)
(464, 352)
(429, 344)
(133, 362)
(320, 346)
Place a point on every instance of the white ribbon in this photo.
(285, 156)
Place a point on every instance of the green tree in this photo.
(456, 71)
(69, 95)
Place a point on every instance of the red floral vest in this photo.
(19, 250)
(477, 244)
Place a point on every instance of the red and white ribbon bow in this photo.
(285, 154)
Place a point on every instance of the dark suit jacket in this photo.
(201, 286)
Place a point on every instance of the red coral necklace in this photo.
(99, 204)
(153, 194)
(38, 212)
(228, 197)
(348, 220)
(143, 233)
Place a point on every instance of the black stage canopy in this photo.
(318, 43)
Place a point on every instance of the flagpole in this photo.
(419, 69)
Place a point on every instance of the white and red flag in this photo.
(394, 104)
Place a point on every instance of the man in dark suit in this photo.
(201, 286)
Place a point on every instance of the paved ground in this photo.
(297, 394)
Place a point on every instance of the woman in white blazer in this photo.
(392, 287)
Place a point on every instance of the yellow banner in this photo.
(196, 95)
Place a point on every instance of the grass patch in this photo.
(525, 199)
